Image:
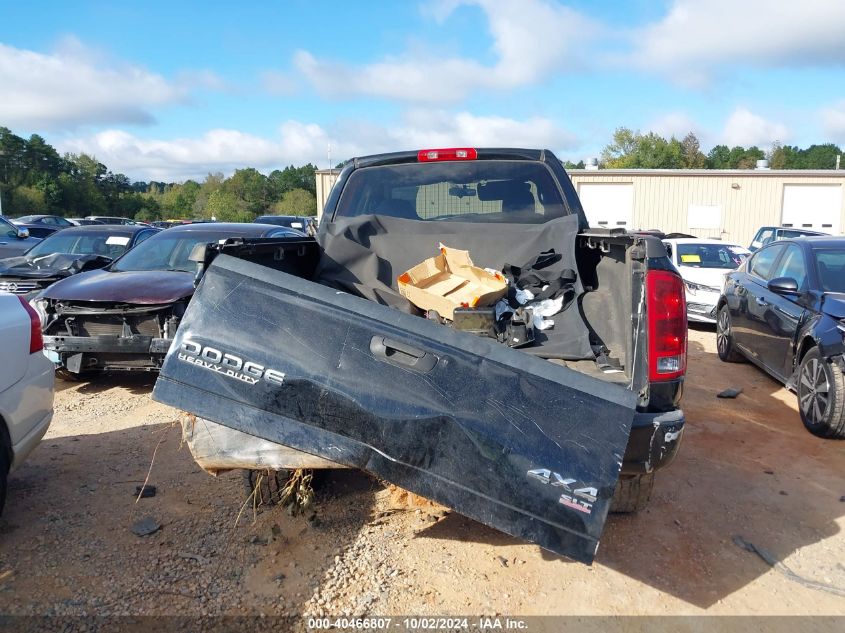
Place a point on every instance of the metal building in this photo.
(726, 204)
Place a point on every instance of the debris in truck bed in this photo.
(729, 393)
(449, 281)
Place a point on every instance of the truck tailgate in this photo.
(513, 441)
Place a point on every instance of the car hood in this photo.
(49, 266)
(834, 304)
(141, 287)
(714, 277)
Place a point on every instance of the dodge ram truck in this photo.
(302, 353)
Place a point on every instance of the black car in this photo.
(306, 224)
(67, 252)
(39, 231)
(784, 310)
(55, 221)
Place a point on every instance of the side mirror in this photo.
(784, 286)
(23, 234)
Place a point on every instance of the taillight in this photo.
(666, 309)
(451, 153)
(36, 339)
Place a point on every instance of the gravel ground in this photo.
(747, 468)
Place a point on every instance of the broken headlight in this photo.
(40, 306)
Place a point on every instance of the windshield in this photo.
(104, 244)
(708, 256)
(474, 191)
(831, 267)
(164, 251)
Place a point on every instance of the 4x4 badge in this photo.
(575, 495)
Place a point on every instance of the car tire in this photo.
(725, 345)
(632, 493)
(821, 395)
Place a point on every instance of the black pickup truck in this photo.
(307, 345)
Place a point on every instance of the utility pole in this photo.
(838, 156)
(329, 156)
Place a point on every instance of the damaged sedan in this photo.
(68, 252)
(124, 316)
(784, 310)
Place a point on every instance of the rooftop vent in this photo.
(762, 164)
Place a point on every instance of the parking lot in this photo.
(747, 469)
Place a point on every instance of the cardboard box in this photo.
(450, 281)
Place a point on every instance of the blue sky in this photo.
(179, 89)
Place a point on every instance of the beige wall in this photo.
(749, 199)
(325, 180)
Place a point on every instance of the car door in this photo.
(784, 313)
(518, 443)
(751, 299)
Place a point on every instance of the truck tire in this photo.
(632, 493)
(724, 338)
(267, 485)
(821, 395)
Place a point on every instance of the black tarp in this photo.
(365, 254)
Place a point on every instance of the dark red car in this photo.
(123, 317)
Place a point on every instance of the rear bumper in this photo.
(654, 441)
(27, 407)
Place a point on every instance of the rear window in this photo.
(473, 191)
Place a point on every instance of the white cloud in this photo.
(73, 86)
(695, 36)
(746, 129)
(833, 122)
(298, 143)
(532, 39)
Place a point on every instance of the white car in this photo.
(703, 265)
(26, 385)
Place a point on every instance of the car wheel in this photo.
(821, 395)
(632, 494)
(724, 338)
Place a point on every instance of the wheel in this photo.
(267, 484)
(632, 493)
(724, 339)
(68, 376)
(821, 395)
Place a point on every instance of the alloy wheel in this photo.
(723, 332)
(814, 391)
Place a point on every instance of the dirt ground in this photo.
(746, 468)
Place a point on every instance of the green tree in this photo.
(224, 206)
(297, 202)
(691, 155)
